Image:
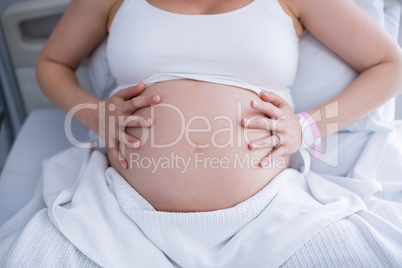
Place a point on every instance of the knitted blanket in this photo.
(84, 214)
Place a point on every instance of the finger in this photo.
(122, 160)
(267, 142)
(129, 140)
(131, 92)
(262, 123)
(267, 108)
(273, 98)
(116, 154)
(274, 154)
(138, 121)
(134, 104)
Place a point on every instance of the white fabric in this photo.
(91, 211)
(235, 48)
(102, 80)
(307, 142)
(362, 240)
(392, 16)
(271, 215)
(307, 132)
(41, 136)
(231, 81)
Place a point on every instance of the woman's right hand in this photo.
(118, 115)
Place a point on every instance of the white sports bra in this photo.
(254, 47)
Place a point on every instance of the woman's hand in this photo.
(281, 121)
(118, 115)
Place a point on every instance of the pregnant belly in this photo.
(195, 157)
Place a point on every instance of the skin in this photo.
(341, 25)
(214, 179)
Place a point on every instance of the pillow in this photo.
(392, 16)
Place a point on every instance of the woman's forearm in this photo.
(361, 41)
(59, 83)
(372, 88)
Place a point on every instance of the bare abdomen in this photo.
(195, 156)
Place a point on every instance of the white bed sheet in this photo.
(41, 136)
(85, 214)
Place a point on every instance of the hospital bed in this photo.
(32, 129)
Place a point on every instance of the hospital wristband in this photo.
(311, 136)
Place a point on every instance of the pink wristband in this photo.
(316, 133)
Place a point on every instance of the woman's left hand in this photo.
(281, 121)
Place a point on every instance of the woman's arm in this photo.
(356, 37)
(82, 27)
(80, 30)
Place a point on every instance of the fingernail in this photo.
(148, 121)
(136, 144)
(246, 121)
(255, 103)
(155, 98)
(124, 165)
(251, 146)
(265, 162)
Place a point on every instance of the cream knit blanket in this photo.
(85, 214)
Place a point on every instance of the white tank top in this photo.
(254, 47)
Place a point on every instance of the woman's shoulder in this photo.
(95, 9)
(83, 20)
(96, 5)
(290, 8)
(112, 11)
